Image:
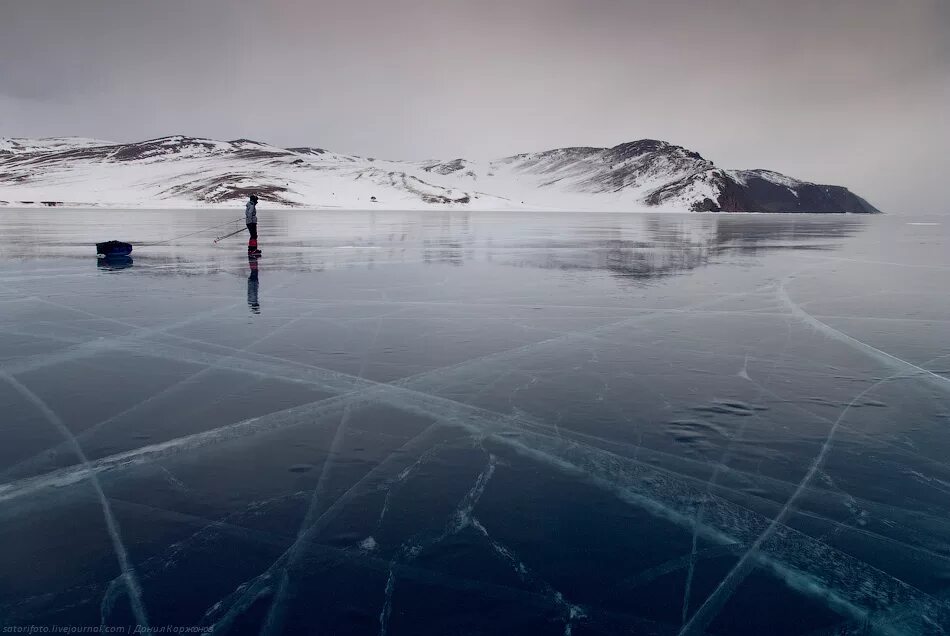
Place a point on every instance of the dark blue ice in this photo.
(439, 423)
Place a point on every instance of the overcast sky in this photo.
(851, 92)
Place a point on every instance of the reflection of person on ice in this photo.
(250, 217)
(253, 286)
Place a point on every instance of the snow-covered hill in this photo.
(22, 145)
(181, 171)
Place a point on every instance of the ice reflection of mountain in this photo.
(645, 246)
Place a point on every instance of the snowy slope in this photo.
(180, 171)
(20, 145)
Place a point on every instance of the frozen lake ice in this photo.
(444, 423)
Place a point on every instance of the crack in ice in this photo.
(130, 580)
(460, 519)
(571, 611)
(727, 586)
(274, 619)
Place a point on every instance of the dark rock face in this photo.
(622, 152)
(848, 201)
(306, 150)
(763, 191)
(438, 198)
(446, 167)
(224, 188)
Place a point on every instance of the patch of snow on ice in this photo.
(368, 544)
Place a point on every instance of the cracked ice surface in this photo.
(444, 423)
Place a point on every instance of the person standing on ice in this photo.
(250, 217)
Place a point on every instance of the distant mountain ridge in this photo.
(181, 171)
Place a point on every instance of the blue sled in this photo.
(110, 249)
